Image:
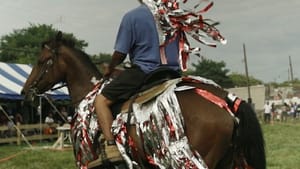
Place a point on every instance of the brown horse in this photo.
(211, 130)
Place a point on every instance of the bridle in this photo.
(45, 68)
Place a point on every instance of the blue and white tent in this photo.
(13, 77)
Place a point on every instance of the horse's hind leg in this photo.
(214, 154)
(220, 150)
(227, 160)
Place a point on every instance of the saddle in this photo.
(154, 84)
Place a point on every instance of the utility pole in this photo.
(289, 79)
(291, 69)
(246, 70)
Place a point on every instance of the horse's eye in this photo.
(40, 62)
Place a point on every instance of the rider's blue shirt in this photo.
(138, 37)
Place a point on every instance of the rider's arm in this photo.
(117, 58)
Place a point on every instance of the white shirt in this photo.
(49, 120)
(267, 108)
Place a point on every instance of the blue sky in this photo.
(269, 29)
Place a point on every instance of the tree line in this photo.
(23, 46)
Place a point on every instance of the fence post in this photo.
(18, 134)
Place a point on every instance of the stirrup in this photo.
(113, 156)
(95, 163)
(112, 152)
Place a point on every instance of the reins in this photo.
(58, 87)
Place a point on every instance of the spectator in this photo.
(49, 119)
(3, 122)
(3, 119)
(64, 113)
(50, 129)
(298, 111)
(267, 112)
(273, 111)
(10, 126)
(294, 110)
(278, 114)
(285, 110)
(18, 118)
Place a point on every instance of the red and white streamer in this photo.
(174, 21)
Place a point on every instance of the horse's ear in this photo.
(59, 36)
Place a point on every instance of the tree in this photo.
(240, 80)
(215, 71)
(23, 45)
(101, 58)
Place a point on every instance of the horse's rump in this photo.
(160, 121)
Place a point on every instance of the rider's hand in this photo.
(107, 72)
(117, 58)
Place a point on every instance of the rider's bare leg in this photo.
(104, 114)
(105, 118)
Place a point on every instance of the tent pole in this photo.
(16, 127)
(39, 109)
(55, 109)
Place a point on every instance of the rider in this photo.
(137, 36)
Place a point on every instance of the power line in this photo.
(19, 50)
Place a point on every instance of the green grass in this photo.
(282, 145)
(22, 157)
(282, 149)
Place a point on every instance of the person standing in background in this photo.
(267, 112)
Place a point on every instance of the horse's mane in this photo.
(55, 42)
(59, 40)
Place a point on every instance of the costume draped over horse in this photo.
(172, 22)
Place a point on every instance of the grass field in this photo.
(282, 147)
(15, 157)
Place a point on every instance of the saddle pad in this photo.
(159, 124)
(147, 95)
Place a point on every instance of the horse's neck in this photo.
(80, 78)
(78, 89)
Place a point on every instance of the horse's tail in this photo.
(249, 140)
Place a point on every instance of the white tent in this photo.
(13, 77)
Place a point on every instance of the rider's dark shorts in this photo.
(125, 85)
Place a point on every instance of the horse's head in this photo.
(48, 71)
